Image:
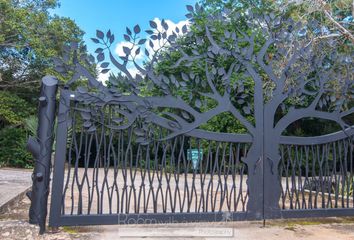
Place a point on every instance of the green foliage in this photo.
(13, 109)
(224, 122)
(31, 125)
(29, 38)
(15, 153)
(345, 188)
(311, 127)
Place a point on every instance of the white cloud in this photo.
(171, 28)
(157, 43)
(133, 71)
(119, 50)
(102, 77)
(172, 25)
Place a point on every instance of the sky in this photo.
(116, 15)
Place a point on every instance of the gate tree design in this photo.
(282, 76)
(288, 60)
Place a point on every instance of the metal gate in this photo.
(143, 153)
(104, 174)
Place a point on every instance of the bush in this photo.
(13, 151)
(13, 109)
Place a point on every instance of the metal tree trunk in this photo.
(41, 148)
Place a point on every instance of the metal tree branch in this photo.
(343, 30)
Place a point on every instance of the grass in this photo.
(70, 230)
(80, 229)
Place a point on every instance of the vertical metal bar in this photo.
(41, 149)
(60, 157)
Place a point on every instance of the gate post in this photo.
(41, 149)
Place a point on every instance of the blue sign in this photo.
(195, 155)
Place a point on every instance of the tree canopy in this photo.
(29, 37)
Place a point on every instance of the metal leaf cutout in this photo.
(153, 24)
(137, 29)
(190, 8)
(99, 34)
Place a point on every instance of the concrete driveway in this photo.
(14, 226)
(13, 184)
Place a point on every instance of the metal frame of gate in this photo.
(342, 206)
(122, 158)
(59, 219)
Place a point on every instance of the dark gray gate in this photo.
(124, 180)
(124, 151)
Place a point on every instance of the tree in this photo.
(29, 38)
(13, 110)
(338, 15)
(289, 78)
